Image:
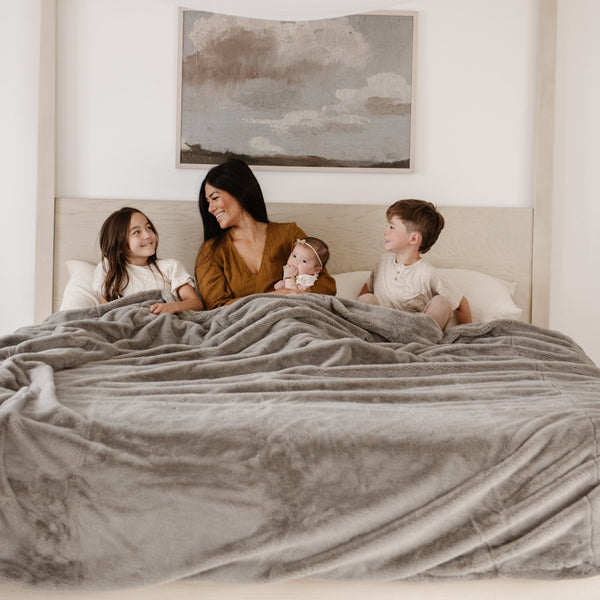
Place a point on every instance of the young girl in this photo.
(128, 242)
(304, 264)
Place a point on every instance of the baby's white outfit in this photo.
(306, 279)
(410, 287)
(171, 276)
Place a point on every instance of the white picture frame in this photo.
(332, 94)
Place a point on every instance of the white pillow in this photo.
(490, 297)
(78, 291)
(349, 284)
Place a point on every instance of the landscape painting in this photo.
(327, 94)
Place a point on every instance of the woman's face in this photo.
(223, 206)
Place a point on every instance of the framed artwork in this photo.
(331, 94)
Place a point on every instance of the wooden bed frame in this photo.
(497, 241)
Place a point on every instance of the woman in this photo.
(243, 253)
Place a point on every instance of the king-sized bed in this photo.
(311, 446)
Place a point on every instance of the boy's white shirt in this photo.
(171, 277)
(410, 287)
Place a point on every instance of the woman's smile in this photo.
(223, 207)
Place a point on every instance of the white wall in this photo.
(475, 108)
(575, 286)
(19, 71)
(475, 116)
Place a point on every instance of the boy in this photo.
(402, 279)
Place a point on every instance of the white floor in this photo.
(496, 589)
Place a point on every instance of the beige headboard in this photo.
(497, 241)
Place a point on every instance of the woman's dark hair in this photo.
(236, 178)
(114, 245)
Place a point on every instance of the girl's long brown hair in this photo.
(114, 245)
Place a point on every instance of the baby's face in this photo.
(305, 260)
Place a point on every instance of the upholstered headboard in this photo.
(497, 241)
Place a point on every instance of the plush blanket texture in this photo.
(293, 436)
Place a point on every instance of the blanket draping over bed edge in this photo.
(285, 437)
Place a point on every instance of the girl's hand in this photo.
(189, 301)
(165, 307)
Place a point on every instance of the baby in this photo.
(304, 264)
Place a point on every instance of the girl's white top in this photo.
(410, 287)
(170, 278)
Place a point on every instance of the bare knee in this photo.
(368, 299)
(440, 309)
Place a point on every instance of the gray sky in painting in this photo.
(298, 88)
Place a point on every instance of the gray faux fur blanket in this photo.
(293, 436)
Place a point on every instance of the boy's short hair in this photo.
(421, 216)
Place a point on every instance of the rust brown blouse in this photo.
(223, 275)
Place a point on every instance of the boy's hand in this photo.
(463, 312)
